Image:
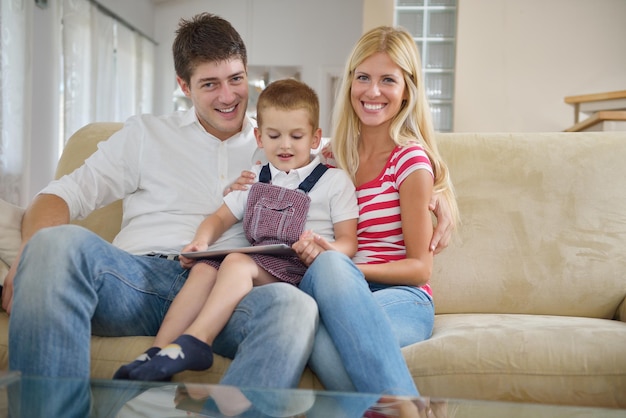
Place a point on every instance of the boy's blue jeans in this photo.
(364, 330)
(71, 284)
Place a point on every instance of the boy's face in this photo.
(219, 93)
(287, 138)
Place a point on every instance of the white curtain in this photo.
(15, 74)
(77, 80)
(146, 75)
(103, 99)
(107, 75)
(127, 88)
(108, 69)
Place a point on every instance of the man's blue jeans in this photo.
(357, 346)
(71, 284)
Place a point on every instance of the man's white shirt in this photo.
(171, 174)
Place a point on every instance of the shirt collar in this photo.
(302, 172)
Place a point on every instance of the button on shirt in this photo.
(169, 172)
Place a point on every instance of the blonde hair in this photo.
(289, 94)
(413, 123)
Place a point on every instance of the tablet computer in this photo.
(273, 249)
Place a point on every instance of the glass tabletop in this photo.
(31, 397)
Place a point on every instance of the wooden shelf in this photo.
(596, 97)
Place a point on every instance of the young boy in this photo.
(293, 197)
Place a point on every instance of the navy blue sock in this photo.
(124, 371)
(185, 353)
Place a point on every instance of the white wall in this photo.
(377, 13)
(139, 13)
(518, 60)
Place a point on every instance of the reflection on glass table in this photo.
(31, 397)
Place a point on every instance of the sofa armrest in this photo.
(105, 221)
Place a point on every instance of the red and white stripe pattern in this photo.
(380, 224)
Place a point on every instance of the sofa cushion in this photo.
(523, 358)
(10, 235)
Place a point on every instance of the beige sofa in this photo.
(530, 295)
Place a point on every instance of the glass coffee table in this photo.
(31, 397)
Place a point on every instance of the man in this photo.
(171, 171)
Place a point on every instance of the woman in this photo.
(380, 301)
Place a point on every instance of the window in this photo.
(260, 76)
(433, 25)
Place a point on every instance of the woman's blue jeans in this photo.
(71, 284)
(357, 346)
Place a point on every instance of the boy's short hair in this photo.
(289, 94)
(205, 38)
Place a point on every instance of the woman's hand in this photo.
(245, 179)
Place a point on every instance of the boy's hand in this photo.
(309, 246)
(185, 262)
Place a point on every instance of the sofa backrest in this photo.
(543, 221)
(543, 224)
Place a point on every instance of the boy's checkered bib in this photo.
(276, 215)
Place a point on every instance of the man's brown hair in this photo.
(205, 38)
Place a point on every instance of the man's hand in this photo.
(443, 231)
(7, 287)
(44, 211)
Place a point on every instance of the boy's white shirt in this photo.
(333, 197)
